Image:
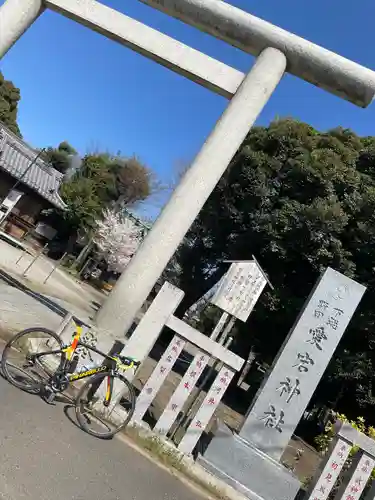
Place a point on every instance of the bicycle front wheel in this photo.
(31, 357)
(105, 405)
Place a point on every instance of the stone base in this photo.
(247, 469)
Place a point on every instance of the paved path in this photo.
(43, 456)
(60, 284)
(19, 311)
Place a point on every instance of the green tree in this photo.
(300, 200)
(135, 182)
(101, 182)
(116, 179)
(9, 99)
(60, 157)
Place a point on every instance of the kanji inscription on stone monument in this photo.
(301, 363)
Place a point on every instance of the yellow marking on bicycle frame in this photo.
(70, 349)
(108, 393)
(77, 376)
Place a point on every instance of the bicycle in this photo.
(52, 371)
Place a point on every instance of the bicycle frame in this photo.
(69, 351)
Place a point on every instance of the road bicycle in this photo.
(37, 361)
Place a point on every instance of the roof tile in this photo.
(15, 158)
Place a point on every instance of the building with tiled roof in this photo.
(38, 182)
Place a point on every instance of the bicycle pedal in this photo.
(49, 396)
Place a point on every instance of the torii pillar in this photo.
(274, 49)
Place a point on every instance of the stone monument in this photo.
(250, 461)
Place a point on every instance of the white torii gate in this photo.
(276, 50)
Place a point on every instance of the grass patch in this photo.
(171, 458)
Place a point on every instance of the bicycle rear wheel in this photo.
(95, 416)
(30, 358)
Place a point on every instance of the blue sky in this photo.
(78, 86)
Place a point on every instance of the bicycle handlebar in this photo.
(128, 361)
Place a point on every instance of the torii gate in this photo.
(276, 50)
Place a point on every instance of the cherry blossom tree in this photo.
(117, 239)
